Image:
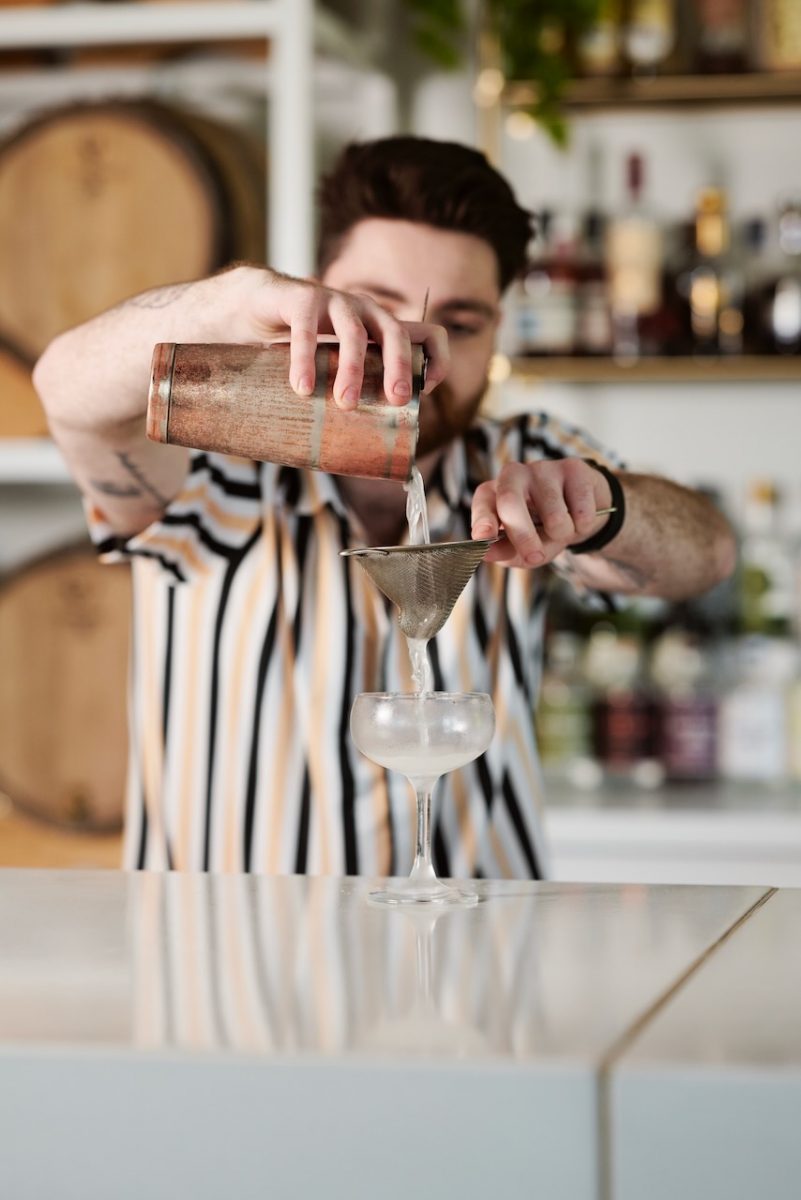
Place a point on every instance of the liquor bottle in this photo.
(752, 720)
(687, 708)
(783, 307)
(755, 287)
(778, 35)
(623, 711)
(713, 283)
(721, 36)
(550, 290)
(634, 253)
(766, 575)
(563, 717)
(649, 33)
(598, 51)
(593, 312)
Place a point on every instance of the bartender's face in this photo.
(394, 262)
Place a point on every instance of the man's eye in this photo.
(457, 329)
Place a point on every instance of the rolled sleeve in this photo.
(211, 521)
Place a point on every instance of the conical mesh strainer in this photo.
(423, 582)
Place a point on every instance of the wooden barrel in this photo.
(100, 201)
(64, 632)
(21, 413)
(28, 842)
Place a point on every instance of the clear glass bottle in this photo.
(598, 52)
(766, 580)
(753, 715)
(634, 260)
(784, 299)
(563, 717)
(649, 33)
(549, 303)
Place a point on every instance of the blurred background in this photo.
(659, 143)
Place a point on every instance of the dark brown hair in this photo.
(443, 184)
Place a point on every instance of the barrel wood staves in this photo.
(101, 201)
(64, 633)
(21, 412)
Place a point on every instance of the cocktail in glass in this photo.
(424, 735)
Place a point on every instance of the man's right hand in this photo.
(93, 380)
(274, 305)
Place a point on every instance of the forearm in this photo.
(93, 383)
(674, 543)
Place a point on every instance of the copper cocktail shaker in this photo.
(237, 400)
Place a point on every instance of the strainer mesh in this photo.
(423, 582)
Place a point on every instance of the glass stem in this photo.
(423, 867)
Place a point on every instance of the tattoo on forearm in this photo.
(135, 473)
(120, 491)
(160, 298)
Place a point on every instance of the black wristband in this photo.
(615, 520)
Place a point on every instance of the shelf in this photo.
(216, 74)
(293, 34)
(130, 23)
(667, 91)
(743, 369)
(31, 460)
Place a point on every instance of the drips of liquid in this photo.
(419, 535)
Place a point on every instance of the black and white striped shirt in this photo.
(251, 638)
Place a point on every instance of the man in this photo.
(252, 635)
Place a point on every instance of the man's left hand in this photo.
(542, 507)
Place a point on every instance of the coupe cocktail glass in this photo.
(423, 735)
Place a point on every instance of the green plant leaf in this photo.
(534, 37)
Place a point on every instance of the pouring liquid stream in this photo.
(419, 535)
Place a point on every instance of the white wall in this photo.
(719, 434)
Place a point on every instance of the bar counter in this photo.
(194, 1035)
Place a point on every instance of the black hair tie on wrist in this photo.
(615, 521)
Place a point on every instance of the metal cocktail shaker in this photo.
(237, 400)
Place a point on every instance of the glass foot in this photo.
(433, 893)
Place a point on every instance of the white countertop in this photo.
(158, 1032)
(302, 965)
(720, 1068)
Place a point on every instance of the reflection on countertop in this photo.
(287, 966)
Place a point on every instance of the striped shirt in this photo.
(251, 637)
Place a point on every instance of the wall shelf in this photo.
(741, 369)
(31, 460)
(131, 23)
(290, 27)
(668, 91)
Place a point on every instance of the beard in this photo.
(443, 418)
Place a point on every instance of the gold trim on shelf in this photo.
(685, 90)
(741, 369)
